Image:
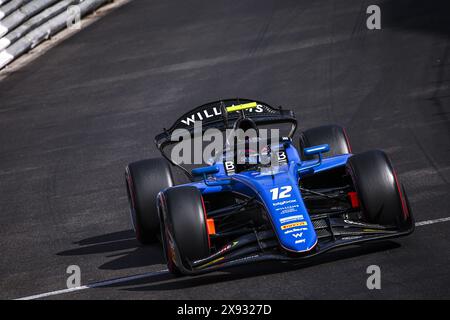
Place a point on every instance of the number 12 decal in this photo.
(280, 193)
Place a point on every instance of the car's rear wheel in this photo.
(185, 224)
(333, 135)
(144, 180)
(381, 197)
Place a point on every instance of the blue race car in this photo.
(315, 194)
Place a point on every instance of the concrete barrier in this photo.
(35, 21)
(11, 6)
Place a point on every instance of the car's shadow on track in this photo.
(130, 255)
(166, 281)
(122, 245)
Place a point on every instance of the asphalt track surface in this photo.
(71, 120)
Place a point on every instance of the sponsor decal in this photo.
(211, 262)
(288, 211)
(352, 238)
(201, 115)
(300, 241)
(282, 157)
(228, 247)
(216, 111)
(291, 218)
(295, 230)
(293, 225)
(282, 203)
(297, 235)
(229, 167)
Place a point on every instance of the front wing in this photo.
(332, 231)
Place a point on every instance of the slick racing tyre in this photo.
(381, 197)
(333, 135)
(185, 231)
(144, 180)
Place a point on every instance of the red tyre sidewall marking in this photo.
(206, 222)
(168, 243)
(402, 199)
(169, 251)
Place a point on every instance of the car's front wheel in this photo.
(381, 198)
(185, 233)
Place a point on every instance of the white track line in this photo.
(96, 284)
(155, 273)
(427, 222)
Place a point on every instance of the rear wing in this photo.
(222, 114)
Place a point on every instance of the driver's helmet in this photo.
(246, 143)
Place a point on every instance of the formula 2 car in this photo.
(315, 196)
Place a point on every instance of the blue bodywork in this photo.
(277, 190)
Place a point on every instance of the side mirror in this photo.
(205, 170)
(311, 151)
(316, 150)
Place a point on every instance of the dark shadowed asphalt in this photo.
(72, 120)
